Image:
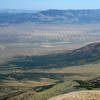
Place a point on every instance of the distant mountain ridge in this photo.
(53, 16)
(17, 11)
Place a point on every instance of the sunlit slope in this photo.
(83, 95)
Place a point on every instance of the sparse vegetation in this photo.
(82, 95)
(45, 60)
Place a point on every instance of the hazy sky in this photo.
(49, 4)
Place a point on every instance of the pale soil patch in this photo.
(83, 95)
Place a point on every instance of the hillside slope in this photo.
(83, 95)
(84, 55)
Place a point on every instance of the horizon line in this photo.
(50, 9)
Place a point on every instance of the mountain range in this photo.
(51, 16)
(17, 11)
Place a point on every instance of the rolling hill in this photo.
(85, 55)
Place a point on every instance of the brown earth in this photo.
(82, 95)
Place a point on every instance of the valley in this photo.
(37, 39)
(49, 53)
